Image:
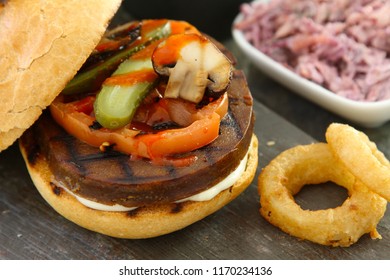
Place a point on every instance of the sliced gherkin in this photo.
(115, 105)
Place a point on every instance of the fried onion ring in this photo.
(361, 157)
(314, 164)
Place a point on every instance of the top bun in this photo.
(42, 46)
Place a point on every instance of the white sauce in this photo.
(221, 186)
(203, 196)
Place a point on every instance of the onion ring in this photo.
(314, 164)
(361, 157)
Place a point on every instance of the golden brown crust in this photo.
(142, 222)
(40, 51)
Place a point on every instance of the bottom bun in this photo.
(143, 222)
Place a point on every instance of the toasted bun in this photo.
(41, 49)
(140, 223)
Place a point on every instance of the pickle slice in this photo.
(115, 105)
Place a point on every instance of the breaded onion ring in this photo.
(314, 164)
(361, 157)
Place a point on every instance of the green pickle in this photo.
(115, 105)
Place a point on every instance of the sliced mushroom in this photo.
(193, 63)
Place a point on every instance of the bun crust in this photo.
(145, 222)
(40, 52)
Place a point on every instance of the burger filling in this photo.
(157, 115)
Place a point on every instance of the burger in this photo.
(133, 132)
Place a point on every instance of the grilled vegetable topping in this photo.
(110, 108)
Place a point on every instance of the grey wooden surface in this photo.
(30, 229)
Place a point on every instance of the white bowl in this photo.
(367, 114)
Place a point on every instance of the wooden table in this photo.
(30, 229)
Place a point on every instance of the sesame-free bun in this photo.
(42, 46)
(143, 222)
